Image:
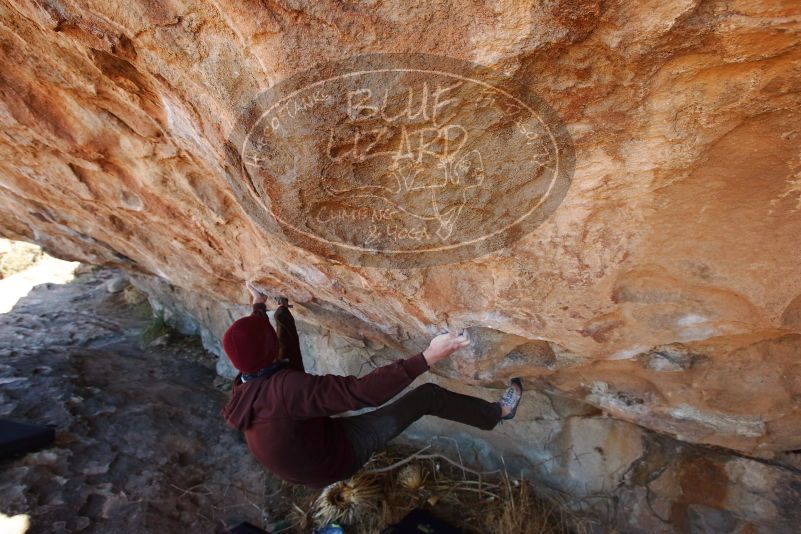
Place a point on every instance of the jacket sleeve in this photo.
(288, 341)
(286, 334)
(260, 309)
(307, 396)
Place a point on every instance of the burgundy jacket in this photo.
(286, 416)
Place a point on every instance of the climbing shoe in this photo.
(511, 398)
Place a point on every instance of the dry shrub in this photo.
(349, 501)
(392, 484)
(521, 511)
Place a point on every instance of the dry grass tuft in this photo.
(412, 476)
(521, 511)
(349, 501)
(393, 483)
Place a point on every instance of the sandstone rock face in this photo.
(664, 289)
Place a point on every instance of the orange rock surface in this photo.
(665, 289)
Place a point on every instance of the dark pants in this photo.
(370, 432)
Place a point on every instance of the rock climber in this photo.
(286, 413)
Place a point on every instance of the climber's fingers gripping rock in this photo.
(258, 296)
(444, 345)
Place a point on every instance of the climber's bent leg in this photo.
(288, 342)
(370, 432)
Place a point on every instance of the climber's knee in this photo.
(430, 397)
(428, 389)
(425, 394)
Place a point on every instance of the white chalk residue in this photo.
(627, 354)
(741, 425)
(691, 319)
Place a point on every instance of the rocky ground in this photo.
(139, 446)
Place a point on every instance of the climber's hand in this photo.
(444, 345)
(258, 296)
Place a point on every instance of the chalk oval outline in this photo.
(537, 107)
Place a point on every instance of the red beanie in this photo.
(251, 343)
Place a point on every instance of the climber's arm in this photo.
(288, 341)
(260, 308)
(307, 395)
